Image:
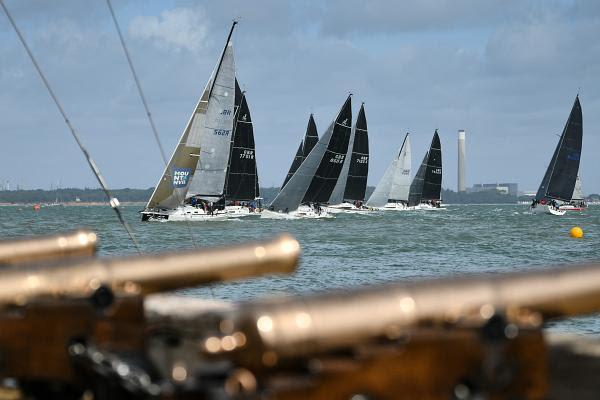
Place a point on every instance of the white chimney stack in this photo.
(461, 161)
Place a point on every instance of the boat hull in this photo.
(347, 208)
(546, 209)
(196, 214)
(303, 212)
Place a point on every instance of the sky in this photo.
(506, 71)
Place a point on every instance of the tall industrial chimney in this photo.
(461, 161)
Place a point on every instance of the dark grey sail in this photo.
(290, 196)
(329, 169)
(241, 181)
(356, 183)
(311, 137)
(416, 187)
(561, 174)
(432, 183)
(427, 183)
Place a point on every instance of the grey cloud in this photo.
(505, 71)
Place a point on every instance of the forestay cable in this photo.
(137, 83)
(146, 107)
(113, 202)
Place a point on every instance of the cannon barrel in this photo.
(46, 248)
(148, 273)
(307, 325)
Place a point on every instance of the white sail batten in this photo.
(401, 181)
(291, 195)
(212, 133)
(337, 196)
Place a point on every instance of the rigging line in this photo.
(137, 83)
(91, 163)
(147, 108)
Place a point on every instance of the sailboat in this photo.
(559, 180)
(425, 189)
(391, 193)
(311, 137)
(193, 181)
(241, 191)
(312, 183)
(349, 192)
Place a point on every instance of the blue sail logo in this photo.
(181, 177)
(573, 156)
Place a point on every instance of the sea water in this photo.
(352, 249)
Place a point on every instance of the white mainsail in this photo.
(401, 182)
(212, 134)
(395, 182)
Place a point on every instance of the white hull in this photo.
(347, 208)
(546, 209)
(571, 207)
(429, 207)
(190, 213)
(303, 212)
(394, 207)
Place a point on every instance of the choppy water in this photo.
(353, 250)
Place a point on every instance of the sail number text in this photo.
(362, 159)
(437, 171)
(337, 159)
(247, 154)
(222, 132)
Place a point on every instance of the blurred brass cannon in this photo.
(76, 326)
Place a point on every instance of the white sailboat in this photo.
(558, 183)
(198, 167)
(391, 193)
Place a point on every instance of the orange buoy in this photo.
(576, 232)
(36, 207)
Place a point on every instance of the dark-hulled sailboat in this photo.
(314, 180)
(426, 187)
(561, 175)
(349, 192)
